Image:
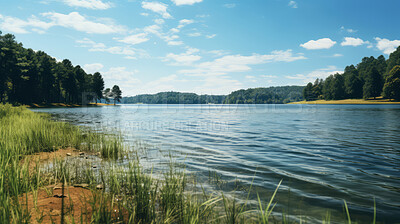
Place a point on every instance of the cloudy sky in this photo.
(205, 46)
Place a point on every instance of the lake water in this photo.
(323, 153)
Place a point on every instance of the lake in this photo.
(323, 153)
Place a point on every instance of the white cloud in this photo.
(324, 43)
(186, 2)
(16, 25)
(251, 78)
(121, 74)
(169, 37)
(218, 52)
(269, 76)
(312, 76)
(175, 43)
(128, 52)
(211, 36)
(351, 41)
(196, 34)
(159, 21)
(90, 4)
(348, 30)
(387, 46)
(134, 39)
(92, 68)
(230, 6)
(126, 79)
(184, 22)
(337, 55)
(157, 7)
(183, 59)
(239, 63)
(293, 4)
(77, 22)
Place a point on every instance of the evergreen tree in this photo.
(394, 59)
(98, 86)
(373, 84)
(307, 92)
(116, 94)
(391, 88)
(353, 85)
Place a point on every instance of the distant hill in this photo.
(271, 95)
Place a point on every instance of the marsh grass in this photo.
(128, 194)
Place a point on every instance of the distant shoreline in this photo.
(378, 101)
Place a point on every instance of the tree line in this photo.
(272, 95)
(28, 76)
(371, 78)
(174, 98)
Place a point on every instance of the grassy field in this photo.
(76, 191)
(378, 100)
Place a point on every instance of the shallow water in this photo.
(323, 153)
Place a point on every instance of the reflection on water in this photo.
(323, 153)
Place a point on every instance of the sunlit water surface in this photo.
(323, 153)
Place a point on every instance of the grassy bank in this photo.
(378, 100)
(107, 191)
(56, 105)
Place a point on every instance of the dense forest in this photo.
(174, 98)
(28, 76)
(270, 95)
(371, 78)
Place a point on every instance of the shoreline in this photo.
(377, 101)
(61, 105)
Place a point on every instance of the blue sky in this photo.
(205, 46)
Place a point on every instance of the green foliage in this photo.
(373, 84)
(174, 98)
(308, 92)
(116, 93)
(271, 95)
(34, 77)
(364, 80)
(391, 88)
(394, 59)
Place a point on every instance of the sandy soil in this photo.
(48, 206)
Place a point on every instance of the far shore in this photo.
(378, 100)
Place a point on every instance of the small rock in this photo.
(69, 154)
(99, 187)
(94, 166)
(59, 196)
(55, 213)
(81, 185)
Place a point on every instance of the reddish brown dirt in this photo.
(44, 157)
(48, 207)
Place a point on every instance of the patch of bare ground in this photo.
(45, 205)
